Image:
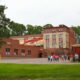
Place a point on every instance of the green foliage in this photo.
(76, 29)
(17, 29)
(48, 26)
(4, 32)
(39, 72)
(2, 8)
(37, 29)
(4, 22)
(30, 29)
(34, 29)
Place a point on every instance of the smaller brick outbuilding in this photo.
(12, 48)
(76, 49)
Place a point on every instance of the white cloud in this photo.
(43, 11)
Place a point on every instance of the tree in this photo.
(34, 29)
(30, 29)
(48, 26)
(17, 29)
(76, 29)
(4, 22)
(37, 29)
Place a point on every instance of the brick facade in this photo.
(14, 49)
(58, 38)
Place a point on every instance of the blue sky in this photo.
(41, 12)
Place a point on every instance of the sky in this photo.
(41, 12)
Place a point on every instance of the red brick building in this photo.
(76, 49)
(59, 38)
(13, 48)
(52, 39)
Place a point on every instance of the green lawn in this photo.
(39, 72)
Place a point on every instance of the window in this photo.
(29, 52)
(7, 51)
(16, 52)
(47, 37)
(47, 41)
(67, 40)
(23, 52)
(60, 35)
(60, 44)
(54, 40)
(60, 40)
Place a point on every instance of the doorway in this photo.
(40, 55)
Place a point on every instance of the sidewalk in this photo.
(33, 61)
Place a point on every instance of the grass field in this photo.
(39, 72)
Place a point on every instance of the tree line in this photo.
(11, 28)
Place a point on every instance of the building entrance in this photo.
(40, 55)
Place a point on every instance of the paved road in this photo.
(32, 61)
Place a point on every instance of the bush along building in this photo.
(56, 40)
